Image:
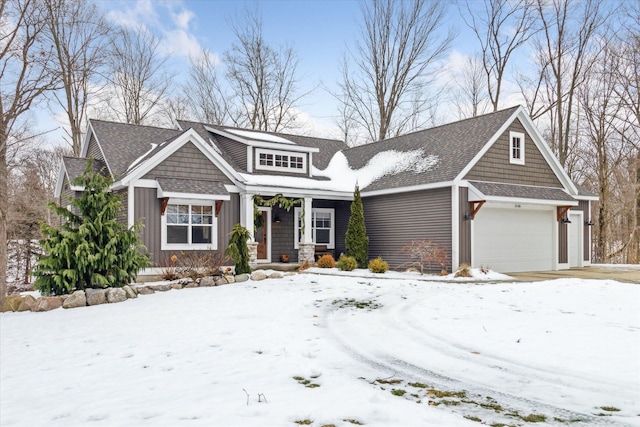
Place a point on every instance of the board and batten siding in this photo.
(464, 238)
(147, 210)
(585, 207)
(494, 166)
(394, 220)
(563, 243)
(283, 233)
(188, 162)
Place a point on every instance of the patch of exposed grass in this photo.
(388, 381)
(304, 422)
(450, 402)
(352, 302)
(472, 418)
(305, 382)
(352, 421)
(491, 405)
(440, 393)
(534, 418)
(398, 392)
(418, 385)
(610, 408)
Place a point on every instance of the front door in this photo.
(263, 235)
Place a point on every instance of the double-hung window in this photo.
(516, 148)
(322, 226)
(189, 226)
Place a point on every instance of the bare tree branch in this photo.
(393, 61)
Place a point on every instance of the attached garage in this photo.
(512, 239)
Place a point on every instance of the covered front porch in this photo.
(294, 232)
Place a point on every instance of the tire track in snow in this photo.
(389, 342)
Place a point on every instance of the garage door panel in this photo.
(512, 240)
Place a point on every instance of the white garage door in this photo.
(511, 240)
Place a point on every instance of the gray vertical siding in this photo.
(563, 243)
(494, 166)
(282, 233)
(584, 206)
(394, 220)
(147, 209)
(464, 238)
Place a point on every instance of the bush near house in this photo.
(356, 239)
(425, 255)
(91, 249)
(238, 250)
(347, 263)
(326, 261)
(378, 265)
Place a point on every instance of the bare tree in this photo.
(33, 183)
(393, 63)
(564, 55)
(263, 79)
(204, 91)
(78, 32)
(628, 90)
(501, 30)
(605, 148)
(470, 92)
(25, 76)
(137, 72)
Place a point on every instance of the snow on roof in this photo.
(259, 136)
(136, 161)
(342, 178)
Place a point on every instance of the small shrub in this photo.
(425, 255)
(347, 263)
(237, 249)
(463, 271)
(305, 265)
(378, 265)
(326, 261)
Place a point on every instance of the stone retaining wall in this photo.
(90, 297)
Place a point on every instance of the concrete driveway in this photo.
(622, 273)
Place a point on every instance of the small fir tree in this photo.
(238, 250)
(356, 240)
(91, 249)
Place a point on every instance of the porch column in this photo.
(246, 213)
(307, 248)
(247, 221)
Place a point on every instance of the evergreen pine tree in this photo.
(91, 248)
(356, 239)
(238, 249)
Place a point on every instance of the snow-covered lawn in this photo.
(331, 350)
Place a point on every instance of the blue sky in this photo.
(319, 30)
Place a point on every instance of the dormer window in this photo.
(281, 161)
(516, 148)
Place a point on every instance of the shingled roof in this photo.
(74, 167)
(122, 143)
(327, 147)
(454, 144)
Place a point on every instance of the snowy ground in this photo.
(331, 350)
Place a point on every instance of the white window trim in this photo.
(190, 246)
(259, 151)
(296, 231)
(514, 160)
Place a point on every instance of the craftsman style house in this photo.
(487, 189)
